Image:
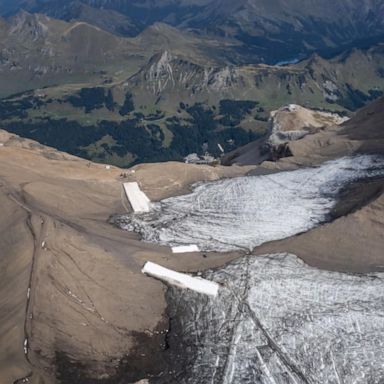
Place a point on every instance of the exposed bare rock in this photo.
(166, 72)
(293, 122)
(328, 138)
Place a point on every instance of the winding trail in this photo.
(38, 220)
(37, 238)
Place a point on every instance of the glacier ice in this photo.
(278, 321)
(244, 212)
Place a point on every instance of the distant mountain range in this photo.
(122, 81)
(37, 51)
(174, 104)
(266, 31)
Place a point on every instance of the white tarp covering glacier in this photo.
(244, 212)
(181, 279)
(278, 321)
(137, 198)
(185, 249)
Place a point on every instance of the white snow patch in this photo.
(181, 280)
(137, 198)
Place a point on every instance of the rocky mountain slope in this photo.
(37, 51)
(313, 81)
(363, 133)
(171, 89)
(181, 99)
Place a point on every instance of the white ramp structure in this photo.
(185, 249)
(137, 198)
(181, 279)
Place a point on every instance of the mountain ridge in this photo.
(174, 105)
(287, 29)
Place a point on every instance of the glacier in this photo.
(278, 321)
(244, 212)
(275, 320)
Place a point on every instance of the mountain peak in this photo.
(29, 25)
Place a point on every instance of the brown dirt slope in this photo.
(89, 305)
